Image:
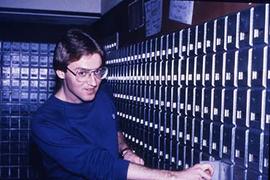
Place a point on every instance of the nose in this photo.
(92, 81)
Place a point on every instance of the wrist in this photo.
(169, 175)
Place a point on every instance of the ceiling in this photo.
(61, 12)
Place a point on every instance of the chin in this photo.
(89, 98)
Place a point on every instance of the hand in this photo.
(199, 171)
(132, 157)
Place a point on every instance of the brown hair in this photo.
(74, 44)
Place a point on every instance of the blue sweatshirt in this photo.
(79, 141)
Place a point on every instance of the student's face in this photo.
(79, 91)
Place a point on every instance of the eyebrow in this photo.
(85, 69)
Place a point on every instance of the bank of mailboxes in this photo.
(26, 81)
(204, 93)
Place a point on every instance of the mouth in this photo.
(90, 91)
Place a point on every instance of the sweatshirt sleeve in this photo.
(76, 156)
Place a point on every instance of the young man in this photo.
(76, 128)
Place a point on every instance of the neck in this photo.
(63, 95)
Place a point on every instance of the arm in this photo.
(74, 155)
(199, 171)
(139, 172)
(126, 152)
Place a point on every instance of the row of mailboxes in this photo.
(244, 147)
(242, 107)
(188, 130)
(241, 68)
(26, 49)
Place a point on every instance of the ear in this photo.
(60, 74)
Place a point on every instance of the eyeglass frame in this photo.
(89, 71)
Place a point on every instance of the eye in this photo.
(97, 71)
(81, 73)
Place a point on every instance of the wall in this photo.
(117, 19)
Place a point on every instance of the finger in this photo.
(141, 161)
(207, 168)
(208, 171)
(205, 175)
(138, 161)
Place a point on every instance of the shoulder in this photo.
(105, 97)
(49, 110)
(50, 104)
(105, 90)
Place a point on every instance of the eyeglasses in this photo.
(82, 75)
